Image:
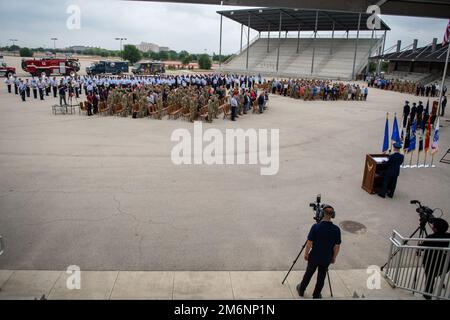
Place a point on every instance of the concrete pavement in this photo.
(102, 192)
(167, 285)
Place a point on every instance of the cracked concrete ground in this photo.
(103, 194)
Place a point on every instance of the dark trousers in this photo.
(55, 91)
(9, 88)
(16, 89)
(233, 113)
(389, 184)
(35, 93)
(442, 110)
(261, 108)
(22, 94)
(28, 92)
(321, 275)
(61, 99)
(41, 94)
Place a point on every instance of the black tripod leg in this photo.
(393, 255)
(329, 284)
(295, 261)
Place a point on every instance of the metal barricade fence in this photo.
(417, 268)
(2, 245)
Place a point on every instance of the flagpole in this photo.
(443, 81)
(425, 160)
(418, 156)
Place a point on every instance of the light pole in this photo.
(121, 39)
(12, 41)
(54, 44)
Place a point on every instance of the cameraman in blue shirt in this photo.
(321, 249)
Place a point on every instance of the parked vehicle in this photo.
(148, 68)
(5, 70)
(51, 66)
(109, 67)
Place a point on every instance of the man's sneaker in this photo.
(300, 292)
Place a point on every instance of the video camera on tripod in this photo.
(425, 213)
(319, 208)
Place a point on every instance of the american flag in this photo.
(446, 34)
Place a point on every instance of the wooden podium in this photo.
(372, 178)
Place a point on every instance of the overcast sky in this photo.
(179, 26)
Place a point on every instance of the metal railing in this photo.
(2, 245)
(418, 268)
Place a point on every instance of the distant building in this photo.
(163, 49)
(148, 47)
(79, 48)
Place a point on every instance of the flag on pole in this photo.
(435, 144)
(446, 34)
(412, 138)
(427, 135)
(407, 136)
(395, 134)
(421, 138)
(386, 136)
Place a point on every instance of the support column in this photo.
(286, 35)
(332, 40)
(314, 43)
(242, 32)
(268, 39)
(347, 34)
(382, 52)
(279, 41)
(248, 42)
(370, 52)
(298, 38)
(356, 47)
(220, 44)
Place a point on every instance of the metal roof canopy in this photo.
(423, 54)
(412, 8)
(292, 19)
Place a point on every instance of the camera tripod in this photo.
(295, 261)
(422, 234)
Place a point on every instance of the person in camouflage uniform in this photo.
(159, 107)
(215, 106)
(210, 109)
(193, 106)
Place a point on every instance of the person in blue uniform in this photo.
(391, 172)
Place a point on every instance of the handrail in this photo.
(2, 245)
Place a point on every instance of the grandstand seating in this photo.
(337, 64)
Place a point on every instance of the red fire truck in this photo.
(48, 66)
(5, 70)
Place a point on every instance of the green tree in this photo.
(204, 62)
(154, 55)
(173, 55)
(182, 54)
(131, 53)
(186, 60)
(163, 55)
(26, 52)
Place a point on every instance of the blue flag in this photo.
(386, 136)
(395, 133)
(412, 138)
